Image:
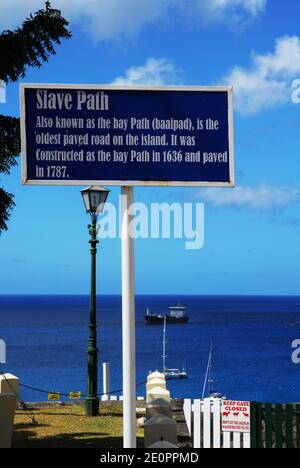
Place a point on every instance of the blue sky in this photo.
(251, 232)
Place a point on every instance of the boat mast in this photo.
(208, 377)
(164, 344)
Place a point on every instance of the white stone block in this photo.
(155, 383)
(156, 375)
(10, 384)
(158, 392)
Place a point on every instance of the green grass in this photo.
(68, 427)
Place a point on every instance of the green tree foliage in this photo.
(32, 44)
(28, 46)
(9, 142)
(6, 204)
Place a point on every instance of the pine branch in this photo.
(6, 204)
(32, 44)
(28, 46)
(10, 143)
(9, 149)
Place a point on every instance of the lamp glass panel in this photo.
(86, 200)
(95, 199)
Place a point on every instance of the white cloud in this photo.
(2, 92)
(265, 198)
(103, 19)
(113, 19)
(267, 84)
(155, 72)
(230, 11)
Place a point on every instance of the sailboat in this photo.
(208, 387)
(170, 373)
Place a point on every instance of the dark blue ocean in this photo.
(47, 336)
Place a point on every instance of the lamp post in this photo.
(94, 199)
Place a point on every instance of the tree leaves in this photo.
(32, 44)
(28, 46)
(6, 204)
(10, 142)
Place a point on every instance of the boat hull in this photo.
(173, 377)
(158, 320)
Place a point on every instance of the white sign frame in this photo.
(127, 183)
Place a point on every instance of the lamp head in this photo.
(94, 199)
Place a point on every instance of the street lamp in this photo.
(94, 199)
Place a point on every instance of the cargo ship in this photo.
(177, 314)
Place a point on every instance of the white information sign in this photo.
(236, 416)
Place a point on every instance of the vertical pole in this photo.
(106, 380)
(128, 316)
(164, 345)
(92, 400)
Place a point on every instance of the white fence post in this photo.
(217, 424)
(197, 423)
(207, 424)
(236, 440)
(247, 441)
(187, 409)
(227, 440)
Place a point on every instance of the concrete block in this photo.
(7, 412)
(155, 383)
(9, 384)
(158, 392)
(162, 444)
(160, 428)
(160, 406)
(156, 375)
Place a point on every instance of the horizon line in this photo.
(147, 294)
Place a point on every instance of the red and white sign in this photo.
(236, 416)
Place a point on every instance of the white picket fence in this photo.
(118, 398)
(204, 421)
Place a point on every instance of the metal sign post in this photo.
(128, 311)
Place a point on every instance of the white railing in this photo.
(118, 398)
(204, 421)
